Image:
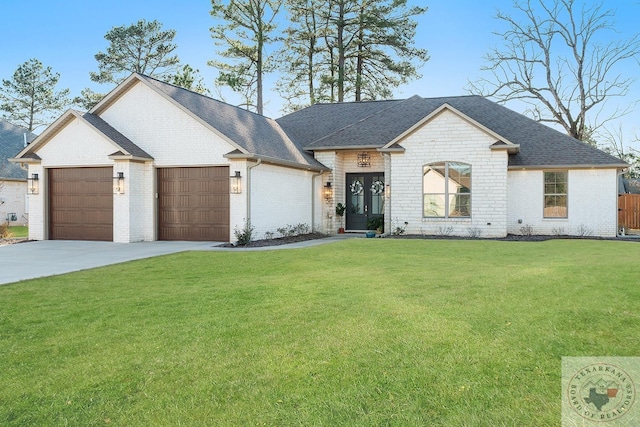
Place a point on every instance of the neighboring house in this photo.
(13, 179)
(629, 185)
(153, 161)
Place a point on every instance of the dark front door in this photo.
(365, 199)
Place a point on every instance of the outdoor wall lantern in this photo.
(364, 160)
(118, 183)
(34, 184)
(235, 183)
(328, 192)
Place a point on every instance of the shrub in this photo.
(376, 223)
(444, 231)
(244, 236)
(526, 230)
(5, 233)
(584, 231)
(398, 229)
(293, 230)
(474, 232)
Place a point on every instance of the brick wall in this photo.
(13, 199)
(171, 136)
(448, 137)
(280, 197)
(592, 203)
(75, 145)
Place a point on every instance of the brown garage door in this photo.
(81, 204)
(193, 204)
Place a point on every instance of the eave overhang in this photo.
(274, 161)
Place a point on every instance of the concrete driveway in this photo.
(31, 260)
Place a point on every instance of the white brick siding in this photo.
(280, 197)
(448, 137)
(342, 163)
(169, 134)
(592, 203)
(13, 199)
(76, 145)
(328, 223)
(37, 225)
(133, 211)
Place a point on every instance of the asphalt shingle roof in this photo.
(254, 133)
(118, 138)
(320, 120)
(375, 124)
(11, 143)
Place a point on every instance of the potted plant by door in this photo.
(340, 208)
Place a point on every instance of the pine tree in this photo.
(29, 99)
(243, 29)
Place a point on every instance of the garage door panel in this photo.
(81, 204)
(193, 203)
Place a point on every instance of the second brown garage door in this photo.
(193, 204)
(81, 204)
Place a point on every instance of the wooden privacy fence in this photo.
(629, 210)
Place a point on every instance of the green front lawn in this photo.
(362, 332)
(19, 231)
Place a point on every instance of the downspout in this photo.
(313, 201)
(249, 189)
(387, 196)
(621, 172)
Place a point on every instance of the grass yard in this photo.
(19, 231)
(360, 333)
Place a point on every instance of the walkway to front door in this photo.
(365, 199)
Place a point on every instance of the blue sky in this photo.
(67, 34)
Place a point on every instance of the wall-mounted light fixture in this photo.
(235, 183)
(118, 183)
(33, 184)
(387, 191)
(328, 192)
(364, 160)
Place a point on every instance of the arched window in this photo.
(447, 190)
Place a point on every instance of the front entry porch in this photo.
(364, 200)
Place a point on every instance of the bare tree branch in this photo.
(554, 60)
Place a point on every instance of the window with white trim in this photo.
(446, 188)
(555, 194)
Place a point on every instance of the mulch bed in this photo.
(512, 238)
(12, 241)
(508, 238)
(277, 241)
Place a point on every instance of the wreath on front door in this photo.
(377, 187)
(356, 187)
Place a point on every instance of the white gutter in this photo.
(249, 189)
(387, 202)
(313, 201)
(620, 172)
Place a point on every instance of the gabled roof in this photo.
(12, 139)
(379, 124)
(252, 135)
(122, 145)
(318, 121)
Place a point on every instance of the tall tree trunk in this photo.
(259, 103)
(360, 54)
(310, 70)
(341, 50)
